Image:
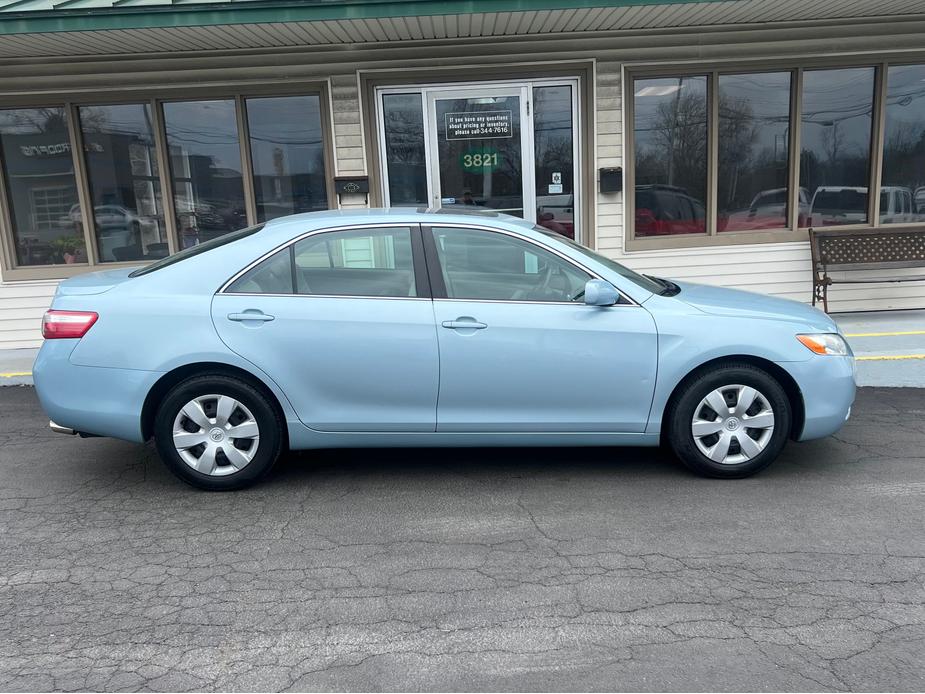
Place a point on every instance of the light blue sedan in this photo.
(408, 328)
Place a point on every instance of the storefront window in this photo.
(902, 196)
(754, 148)
(121, 163)
(835, 138)
(670, 136)
(38, 167)
(405, 158)
(287, 155)
(553, 144)
(205, 163)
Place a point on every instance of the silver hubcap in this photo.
(215, 435)
(733, 424)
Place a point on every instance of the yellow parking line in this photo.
(892, 357)
(15, 374)
(903, 332)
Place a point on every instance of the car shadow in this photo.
(507, 461)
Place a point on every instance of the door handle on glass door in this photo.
(250, 315)
(464, 323)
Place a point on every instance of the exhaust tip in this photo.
(57, 428)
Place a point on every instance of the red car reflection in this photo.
(663, 210)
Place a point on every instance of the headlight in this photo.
(825, 343)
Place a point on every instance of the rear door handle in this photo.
(250, 315)
(464, 324)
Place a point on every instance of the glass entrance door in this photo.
(479, 139)
(510, 147)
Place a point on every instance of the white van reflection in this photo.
(838, 205)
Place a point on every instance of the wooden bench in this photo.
(869, 249)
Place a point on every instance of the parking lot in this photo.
(470, 569)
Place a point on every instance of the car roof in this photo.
(416, 215)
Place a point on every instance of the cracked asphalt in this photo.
(593, 569)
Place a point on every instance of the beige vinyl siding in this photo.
(21, 307)
(349, 145)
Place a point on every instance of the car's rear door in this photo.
(342, 321)
(519, 349)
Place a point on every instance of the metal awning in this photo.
(37, 28)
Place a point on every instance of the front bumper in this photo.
(828, 386)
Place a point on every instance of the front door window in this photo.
(484, 265)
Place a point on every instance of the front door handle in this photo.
(250, 315)
(464, 323)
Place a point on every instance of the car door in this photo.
(521, 352)
(342, 321)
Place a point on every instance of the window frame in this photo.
(154, 98)
(792, 232)
(419, 264)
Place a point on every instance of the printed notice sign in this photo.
(478, 125)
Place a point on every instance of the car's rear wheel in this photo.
(731, 421)
(218, 433)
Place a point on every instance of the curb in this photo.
(16, 378)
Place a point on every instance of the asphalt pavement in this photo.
(578, 569)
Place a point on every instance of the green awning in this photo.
(44, 16)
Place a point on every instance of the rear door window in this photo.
(358, 262)
(374, 262)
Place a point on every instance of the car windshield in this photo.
(844, 201)
(622, 270)
(197, 249)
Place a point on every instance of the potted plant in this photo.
(69, 249)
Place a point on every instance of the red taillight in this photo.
(61, 324)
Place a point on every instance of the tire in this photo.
(203, 453)
(700, 448)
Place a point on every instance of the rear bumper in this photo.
(90, 399)
(827, 384)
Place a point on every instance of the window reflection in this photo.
(287, 155)
(835, 144)
(553, 145)
(38, 168)
(205, 163)
(403, 119)
(121, 163)
(902, 197)
(361, 262)
(670, 139)
(754, 148)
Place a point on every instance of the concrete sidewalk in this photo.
(890, 346)
(16, 366)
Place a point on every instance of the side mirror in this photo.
(601, 293)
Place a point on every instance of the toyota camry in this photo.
(379, 328)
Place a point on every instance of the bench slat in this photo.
(875, 280)
(871, 266)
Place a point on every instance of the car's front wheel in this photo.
(732, 421)
(218, 433)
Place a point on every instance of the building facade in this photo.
(697, 140)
